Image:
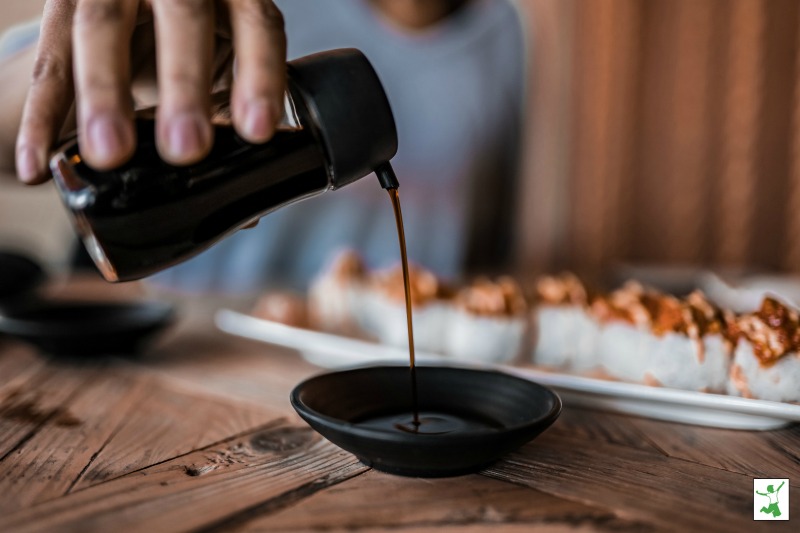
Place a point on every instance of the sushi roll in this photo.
(693, 346)
(335, 294)
(660, 340)
(766, 362)
(488, 322)
(625, 334)
(382, 309)
(283, 307)
(564, 333)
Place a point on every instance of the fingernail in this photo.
(106, 139)
(185, 137)
(259, 121)
(28, 164)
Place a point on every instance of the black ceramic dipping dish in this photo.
(19, 275)
(334, 403)
(83, 328)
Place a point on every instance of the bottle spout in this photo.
(386, 176)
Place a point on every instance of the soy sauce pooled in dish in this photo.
(427, 422)
(430, 423)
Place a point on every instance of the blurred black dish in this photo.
(19, 275)
(515, 411)
(85, 328)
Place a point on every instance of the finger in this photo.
(259, 44)
(144, 84)
(185, 41)
(50, 95)
(101, 42)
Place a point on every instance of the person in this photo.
(772, 494)
(452, 70)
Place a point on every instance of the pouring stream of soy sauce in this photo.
(389, 182)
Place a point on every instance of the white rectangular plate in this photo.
(715, 410)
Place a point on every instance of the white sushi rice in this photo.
(332, 303)
(335, 293)
(680, 362)
(487, 339)
(565, 337)
(622, 350)
(385, 319)
(779, 382)
(587, 337)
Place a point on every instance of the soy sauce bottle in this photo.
(148, 215)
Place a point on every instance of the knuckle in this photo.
(50, 68)
(60, 9)
(182, 78)
(262, 12)
(96, 84)
(98, 12)
(190, 8)
(183, 82)
(37, 124)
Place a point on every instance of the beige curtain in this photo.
(661, 131)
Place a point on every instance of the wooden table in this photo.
(198, 434)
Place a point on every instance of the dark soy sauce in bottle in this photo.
(151, 214)
(148, 215)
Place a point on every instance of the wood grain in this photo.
(251, 371)
(604, 428)
(642, 486)
(17, 364)
(198, 435)
(416, 504)
(754, 454)
(50, 462)
(36, 403)
(202, 489)
(167, 422)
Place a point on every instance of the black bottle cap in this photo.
(347, 102)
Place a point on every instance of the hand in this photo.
(102, 55)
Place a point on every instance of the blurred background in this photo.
(32, 219)
(662, 131)
(656, 132)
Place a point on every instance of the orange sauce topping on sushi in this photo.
(773, 331)
(492, 298)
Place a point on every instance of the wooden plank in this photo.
(606, 428)
(419, 504)
(230, 367)
(200, 489)
(50, 462)
(170, 421)
(38, 402)
(754, 454)
(18, 363)
(668, 492)
(90, 287)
